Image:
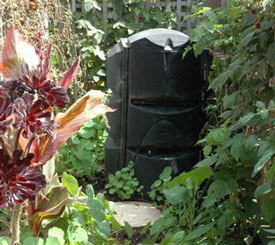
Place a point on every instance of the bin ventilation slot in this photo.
(153, 150)
(164, 102)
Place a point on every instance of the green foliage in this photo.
(5, 240)
(95, 39)
(4, 218)
(123, 183)
(129, 230)
(156, 192)
(239, 145)
(83, 154)
(33, 241)
(234, 205)
(71, 183)
(74, 219)
(88, 219)
(238, 170)
(179, 206)
(193, 178)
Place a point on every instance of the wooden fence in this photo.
(180, 7)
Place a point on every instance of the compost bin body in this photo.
(158, 96)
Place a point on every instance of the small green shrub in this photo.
(178, 204)
(84, 153)
(235, 206)
(88, 219)
(123, 183)
(156, 193)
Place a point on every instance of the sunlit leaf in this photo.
(261, 163)
(199, 231)
(115, 224)
(129, 230)
(77, 234)
(90, 192)
(50, 206)
(52, 241)
(16, 55)
(263, 189)
(86, 108)
(97, 209)
(70, 74)
(71, 183)
(197, 176)
(219, 81)
(33, 241)
(268, 210)
(57, 233)
(103, 228)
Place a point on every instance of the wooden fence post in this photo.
(168, 4)
(179, 15)
(105, 14)
(188, 11)
(214, 3)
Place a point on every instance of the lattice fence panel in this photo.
(180, 7)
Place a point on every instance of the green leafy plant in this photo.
(90, 218)
(95, 39)
(241, 144)
(123, 183)
(30, 134)
(156, 192)
(83, 154)
(4, 219)
(179, 197)
(235, 204)
(87, 219)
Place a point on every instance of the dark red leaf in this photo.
(70, 74)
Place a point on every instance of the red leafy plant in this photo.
(30, 135)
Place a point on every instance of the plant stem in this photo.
(28, 147)
(17, 137)
(2, 143)
(15, 228)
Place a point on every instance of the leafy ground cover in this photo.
(227, 198)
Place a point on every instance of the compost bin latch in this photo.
(169, 46)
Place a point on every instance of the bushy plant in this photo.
(156, 192)
(236, 206)
(178, 199)
(83, 154)
(87, 219)
(96, 40)
(123, 183)
(241, 143)
(30, 134)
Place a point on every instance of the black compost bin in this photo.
(159, 98)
